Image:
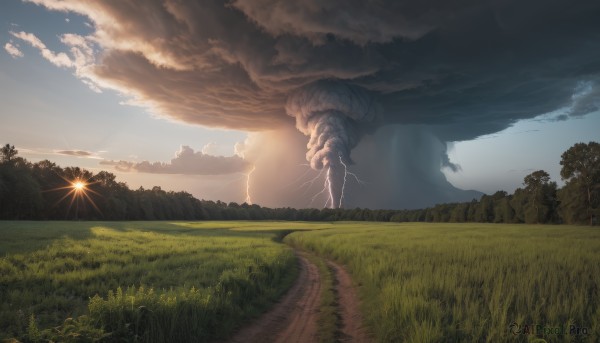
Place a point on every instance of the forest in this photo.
(46, 191)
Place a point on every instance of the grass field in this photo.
(418, 282)
(144, 280)
(469, 282)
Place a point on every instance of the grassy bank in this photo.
(149, 281)
(468, 282)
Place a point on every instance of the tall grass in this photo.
(468, 282)
(158, 281)
(148, 282)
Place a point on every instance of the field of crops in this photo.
(470, 282)
(150, 280)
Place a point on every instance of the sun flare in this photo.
(79, 192)
(78, 186)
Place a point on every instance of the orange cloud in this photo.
(186, 162)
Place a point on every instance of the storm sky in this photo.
(440, 73)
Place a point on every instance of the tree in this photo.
(581, 169)
(48, 176)
(459, 213)
(20, 196)
(8, 152)
(484, 212)
(572, 205)
(541, 197)
(503, 212)
(518, 204)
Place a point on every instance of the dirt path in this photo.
(294, 318)
(352, 329)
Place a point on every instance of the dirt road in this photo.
(352, 329)
(294, 318)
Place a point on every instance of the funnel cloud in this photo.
(332, 114)
(370, 82)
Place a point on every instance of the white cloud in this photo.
(81, 59)
(58, 59)
(13, 50)
(80, 47)
(186, 162)
(210, 148)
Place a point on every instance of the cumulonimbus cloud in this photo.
(456, 69)
(186, 162)
(478, 65)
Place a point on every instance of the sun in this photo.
(78, 186)
(79, 191)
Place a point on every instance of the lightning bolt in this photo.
(329, 186)
(300, 178)
(346, 173)
(311, 181)
(343, 184)
(248, 198)
(322, 190)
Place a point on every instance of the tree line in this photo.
(46, 191)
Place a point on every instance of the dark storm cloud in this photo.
(436, 70)
(472, 67)
(186, 162)
(361, 22)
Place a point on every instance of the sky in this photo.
(395, 105)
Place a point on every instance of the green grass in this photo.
(152, 281)
(161, 281)
(467, 282)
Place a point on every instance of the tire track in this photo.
(352, 328)
(294, 318)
